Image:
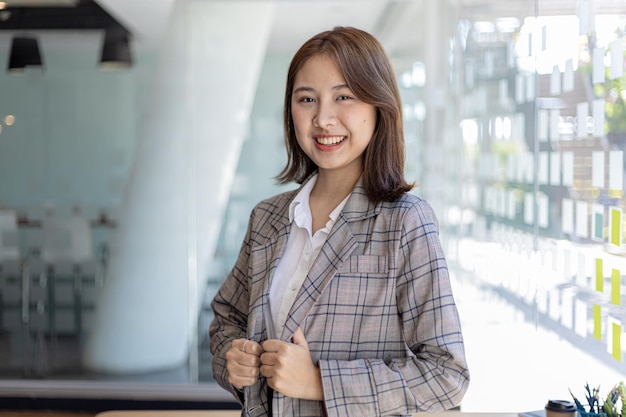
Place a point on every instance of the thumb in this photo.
(299, 339)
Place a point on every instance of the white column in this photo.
(187, 153)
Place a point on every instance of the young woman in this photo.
(340, 302)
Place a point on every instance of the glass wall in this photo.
(533, 213)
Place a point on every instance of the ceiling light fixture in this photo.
(115, 50)
(24, 53)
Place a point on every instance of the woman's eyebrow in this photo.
(310, 89)
(303, 89)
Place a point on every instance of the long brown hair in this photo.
(369, 75)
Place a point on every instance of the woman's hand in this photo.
(242, 362)
(289, 369)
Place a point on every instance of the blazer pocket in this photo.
(365, 264)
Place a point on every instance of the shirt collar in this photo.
(300, 205)
(300, 210)
(335, 213)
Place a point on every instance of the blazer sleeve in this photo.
(230, 308)
(434, 375)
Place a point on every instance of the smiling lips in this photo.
(329, 140)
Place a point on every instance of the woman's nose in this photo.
(325, 116)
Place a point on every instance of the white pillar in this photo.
(186, 157)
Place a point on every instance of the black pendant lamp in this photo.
(24, 53)
(115, 50)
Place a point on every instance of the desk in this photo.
(171, 413)
(236, 413)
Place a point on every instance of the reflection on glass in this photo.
(544, 150)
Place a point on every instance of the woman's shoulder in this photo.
(277, 204)
(411, 205)
(278, 199)
(407, 201)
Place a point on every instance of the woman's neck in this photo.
(334, 186)
(328, 192)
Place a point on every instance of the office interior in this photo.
(126, 185)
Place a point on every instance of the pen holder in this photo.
(560, 408)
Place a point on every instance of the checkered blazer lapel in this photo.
(264, 259)
(334, 253)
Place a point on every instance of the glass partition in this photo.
(535, 230)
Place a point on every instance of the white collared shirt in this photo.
(301, 251)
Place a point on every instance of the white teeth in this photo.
(330, 140)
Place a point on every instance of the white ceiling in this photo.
(295, 20)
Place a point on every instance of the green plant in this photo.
(613, 406)
(610, 407)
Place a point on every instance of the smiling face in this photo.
(332, 126)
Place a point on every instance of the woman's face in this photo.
(332, 126)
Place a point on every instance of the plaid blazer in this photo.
(376, 308)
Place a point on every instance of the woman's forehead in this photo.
(319, 68)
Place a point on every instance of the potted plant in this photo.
(614, 405)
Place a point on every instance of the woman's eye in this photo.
(344, 97)
(306, 100)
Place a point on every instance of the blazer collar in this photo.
(358, 206)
